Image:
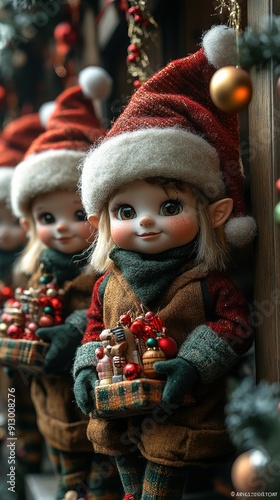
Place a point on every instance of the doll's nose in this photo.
(61, 226)
(146, 221)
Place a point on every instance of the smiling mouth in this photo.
(148, 235)
(63, 240)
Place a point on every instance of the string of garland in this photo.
(141, 28)
(260, 48)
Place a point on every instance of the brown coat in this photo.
(60, 421)
(187, 435)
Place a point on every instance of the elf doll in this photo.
(15, 139)
(44, 196)
(165, 190)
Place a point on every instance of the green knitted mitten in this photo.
(84, 389)
(181, 375)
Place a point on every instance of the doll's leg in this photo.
(131, 469)
(164, 482)
(104, 481)
(71, 470)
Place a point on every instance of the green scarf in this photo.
(63, 267)
(149, 275)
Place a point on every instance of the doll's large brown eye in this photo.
(46, 218)
(80, 215)
(126, 212)
(169, 208)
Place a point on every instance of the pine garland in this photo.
(259, 49)
(22, 4)
(253, 418)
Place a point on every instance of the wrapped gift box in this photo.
(128, 398)
(23, 354)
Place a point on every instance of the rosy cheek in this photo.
(119, 233)
(183, 228)
(42, 233)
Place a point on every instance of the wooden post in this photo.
(264, 127)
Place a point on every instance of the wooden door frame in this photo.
(264, 125)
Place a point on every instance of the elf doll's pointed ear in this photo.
(25, 224)
(94, 220)
(220, 211)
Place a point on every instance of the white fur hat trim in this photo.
(45, 172)
(168, 152)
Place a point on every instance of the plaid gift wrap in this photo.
(23, 354)
(128, 398)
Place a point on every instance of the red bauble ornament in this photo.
(56, 304)
(16, 304)
(133, 48)
(134, 10)
(137, 84)
(28, 335)
(149, 315)
(131, 58)
(15, 331)
(6, 293)
(58, 319)
(132, 371)
(6, 318)
(64, 33)
(99, 352)
(32, 327)
(168, 346)
(138, 18)
(148, 332)
(46, 321)
(137, 327)
(125, 320)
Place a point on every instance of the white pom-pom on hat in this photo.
(45, 111)
(95, 82)
(240, 231)
(220, 47)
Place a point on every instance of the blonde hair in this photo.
(29, 259)
(212, 250)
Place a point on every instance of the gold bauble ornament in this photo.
(149, 358)
(247, 471)
(231, 89)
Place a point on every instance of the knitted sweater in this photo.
(208, 317)
(61, 423)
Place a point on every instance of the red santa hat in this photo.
(50, 164)
(172, 128)
(15, 139)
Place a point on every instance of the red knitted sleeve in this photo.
(95, 314)
(229, 312)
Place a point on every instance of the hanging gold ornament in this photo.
(231, 87)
